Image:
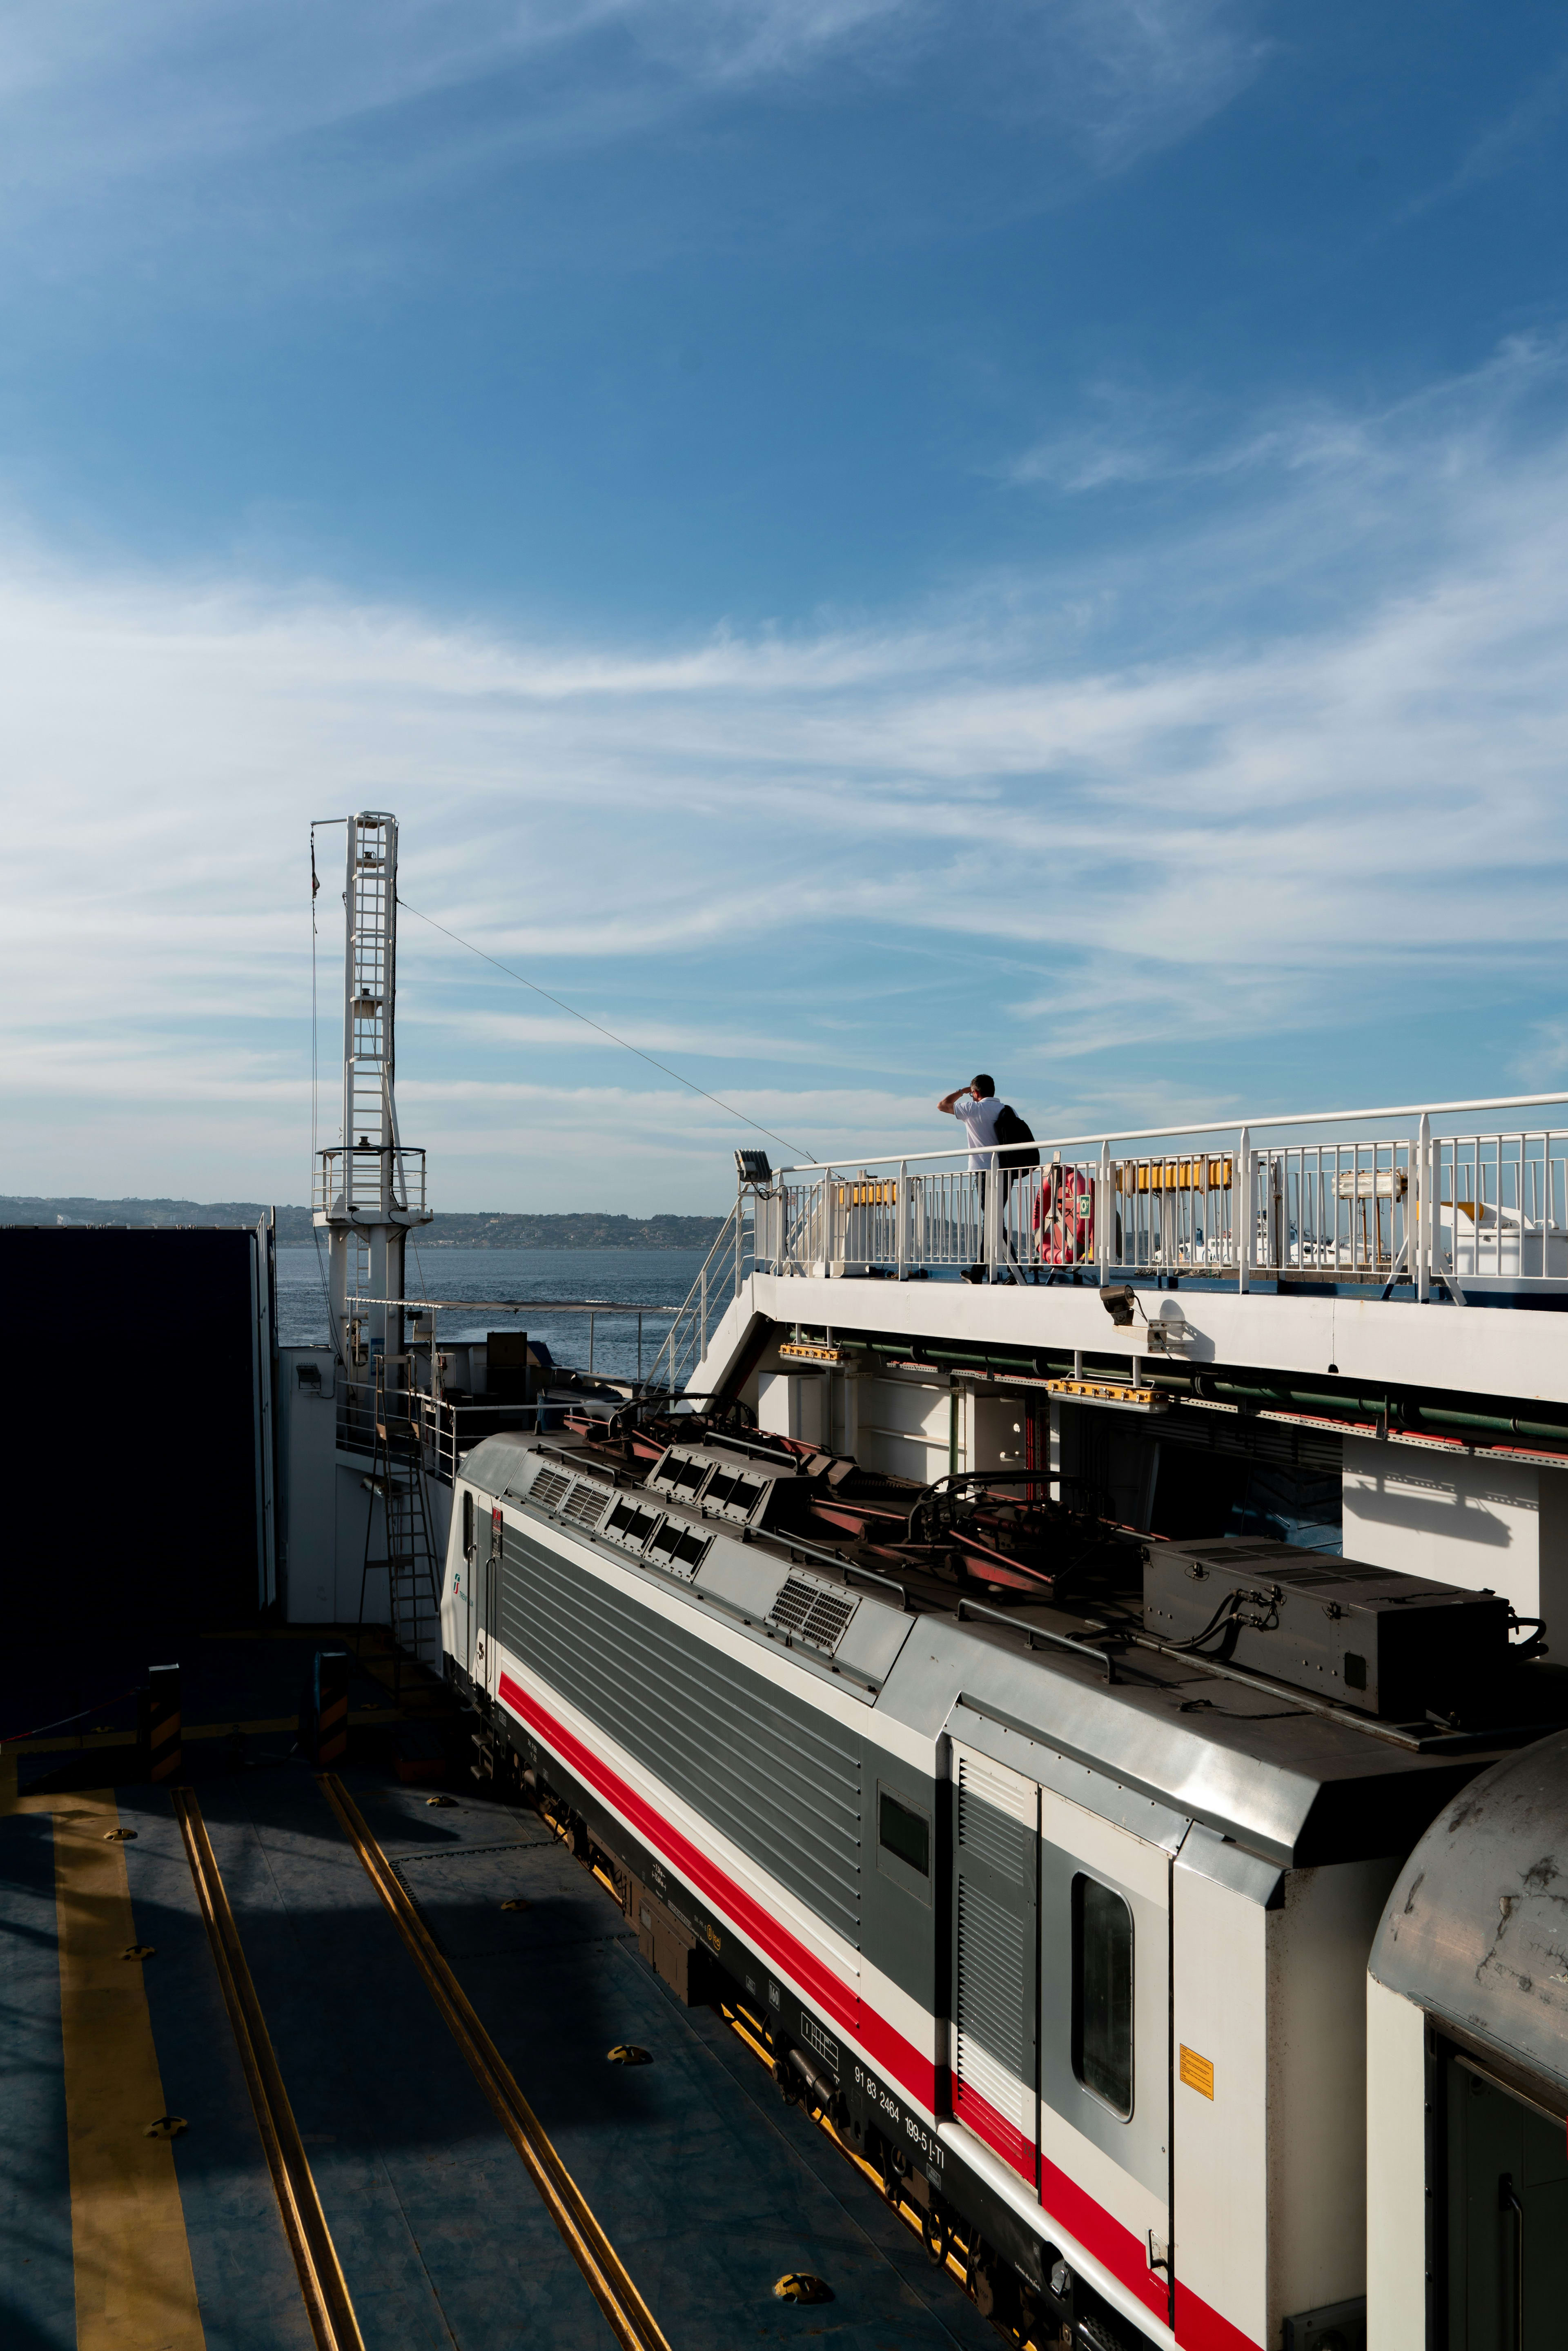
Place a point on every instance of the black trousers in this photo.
(1007, 1178)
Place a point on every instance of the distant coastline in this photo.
(486, 1229)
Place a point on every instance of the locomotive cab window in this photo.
(468, 1521)
(904, 1844)
(1102, 1993)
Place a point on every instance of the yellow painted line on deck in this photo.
(134, 2286)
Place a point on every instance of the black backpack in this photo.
(1011, 1129)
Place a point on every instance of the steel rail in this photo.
(632, 2322)
(328, 2304)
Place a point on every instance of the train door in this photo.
(464, 1626)
(485, 1577)
(1507, 2218)
(1105, 2043)
(996, 1873)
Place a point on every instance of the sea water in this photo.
(628, 1278)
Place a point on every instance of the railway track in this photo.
(328, 2306)
(325, 2294)
(945, 2248)
(630, 2321)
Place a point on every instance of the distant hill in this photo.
(586, 1229)
(583, 1229)
(24, 1209)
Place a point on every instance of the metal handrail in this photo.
(1175, 1133)
(1445, 1203)
(695, 1304)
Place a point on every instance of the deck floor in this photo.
(709, 2187)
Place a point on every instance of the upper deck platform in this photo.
(1350, 1247)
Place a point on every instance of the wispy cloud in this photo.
(1151, 70)
(1515, 138)
(815, 863)
(295, 132)
(1128, 436)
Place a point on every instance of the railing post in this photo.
(1274, 1164)
(901, 1209)
(1244, 1209)
(1104, 1215)
(1426, 1210)
(993, 1212)
(739, 1205)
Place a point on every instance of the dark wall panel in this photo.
(132, 1461)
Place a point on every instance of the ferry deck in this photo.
(309, 2034)
(140, 2207)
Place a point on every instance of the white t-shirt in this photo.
(980, 1118)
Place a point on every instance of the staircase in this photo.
(711, 1295)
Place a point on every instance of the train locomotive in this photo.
(1044, 1859)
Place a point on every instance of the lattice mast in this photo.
(369, 1188)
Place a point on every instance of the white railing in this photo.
(369, 1180)
(724, 1268)
(1391, 1198)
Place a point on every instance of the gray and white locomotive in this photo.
(1045, 1859)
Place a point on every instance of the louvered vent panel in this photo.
(986, 1830)
(991, 1960)
(772, 1774)
(586, 1506)
(819, 1616)
(977, 2071)
(547, 1488)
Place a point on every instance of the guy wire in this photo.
(728, 1108)
(315, 888)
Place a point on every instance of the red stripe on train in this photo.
(1105, 2237)
(887, 2047)
(1004, 2138)
(1198, 2328)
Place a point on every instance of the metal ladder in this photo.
(397, 1477)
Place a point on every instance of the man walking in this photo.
(976, 1105)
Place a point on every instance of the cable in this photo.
(315, 890)
(728, 1108)
(315, 893)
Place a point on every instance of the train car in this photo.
(1467, 2074)
(1046, 1862)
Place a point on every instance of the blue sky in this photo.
(862, 539)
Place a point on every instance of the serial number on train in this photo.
(930, 2146)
